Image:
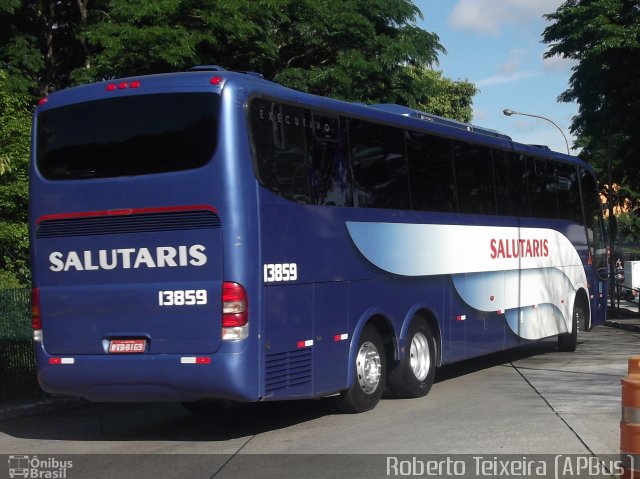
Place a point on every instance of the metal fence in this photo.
(17, 359)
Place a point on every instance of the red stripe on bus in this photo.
(124, 212)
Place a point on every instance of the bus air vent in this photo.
(135, 223)
(287, 369)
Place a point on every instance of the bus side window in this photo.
(327, 154)
(278, 133)
(431, 173)
(474, 178)
(542, 188)
(596, 232)
(379, 166)
(568, 193)
(511, 187)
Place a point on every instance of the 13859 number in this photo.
(189, 297)
(277, 272)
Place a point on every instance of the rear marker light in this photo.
(123, 85)
(43, 101)
(216, 81)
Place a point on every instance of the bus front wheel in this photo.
(568, 342)
(413, 376)
(370, 374)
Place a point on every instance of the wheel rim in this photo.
(580, 320)
(420, 359)
(369, 367)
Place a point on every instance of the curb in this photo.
(619, 324)
(32, 407)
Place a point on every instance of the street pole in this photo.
(612, 273)
(508, 112)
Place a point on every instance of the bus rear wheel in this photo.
(370, 375)
(413, 376)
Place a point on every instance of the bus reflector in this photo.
(341, 337)
(235, 312)
(195, 360)
(55, 361)
(305, 344)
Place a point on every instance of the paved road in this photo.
(534, 400)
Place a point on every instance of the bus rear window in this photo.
(127, 136)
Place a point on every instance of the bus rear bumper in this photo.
(146, 377)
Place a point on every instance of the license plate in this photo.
(127, 346)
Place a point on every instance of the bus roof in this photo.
(214, 77)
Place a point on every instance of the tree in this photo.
(604, 37)
(357, 50)
(15, 129)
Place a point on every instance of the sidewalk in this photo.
(625, 317)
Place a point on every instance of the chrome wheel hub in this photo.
(420, 359)
(368, 367)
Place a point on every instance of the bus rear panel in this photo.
(129, 215)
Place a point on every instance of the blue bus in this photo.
(211, 235)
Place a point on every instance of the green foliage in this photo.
(445, 97)
(15, 128)
(358, 50)
(604, 37)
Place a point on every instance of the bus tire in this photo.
(369, 375)
(568, 342)
(413, 376)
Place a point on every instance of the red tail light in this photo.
(235, 305)
(36, 319)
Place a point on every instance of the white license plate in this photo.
(127, 346)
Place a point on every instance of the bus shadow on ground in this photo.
(468, 366)
(171, 422)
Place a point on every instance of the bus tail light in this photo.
(235, 312)
(36, 318)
